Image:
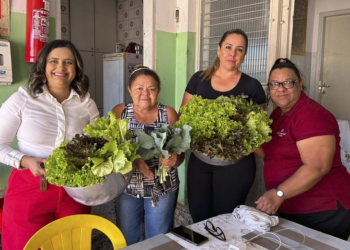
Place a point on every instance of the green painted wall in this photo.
(165, 64)
(175, 64)
(19, 69)
(185, 63)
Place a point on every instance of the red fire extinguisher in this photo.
(37, 36)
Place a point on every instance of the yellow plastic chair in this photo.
(73, 233)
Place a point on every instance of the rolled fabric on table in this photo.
(254, 218)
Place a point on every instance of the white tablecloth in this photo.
(344, 142)
(234, 230)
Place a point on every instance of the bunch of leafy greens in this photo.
(161, 143)
(89, 158)
(227, 128)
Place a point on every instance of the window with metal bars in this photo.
(252, 16)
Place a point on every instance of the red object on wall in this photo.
(37, 35)
(1, 205)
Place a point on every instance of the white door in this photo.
(335, 72)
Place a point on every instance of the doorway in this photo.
(334, 78)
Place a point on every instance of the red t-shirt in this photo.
(282, 158)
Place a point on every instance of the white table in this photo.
(234, 230)
(344, 142)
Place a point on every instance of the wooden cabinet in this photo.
(93, 30)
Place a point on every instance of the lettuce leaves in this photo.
(109, 128)
(91, 157)
(227, 127)
(161, 143)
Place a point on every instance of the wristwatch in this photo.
(280, 194)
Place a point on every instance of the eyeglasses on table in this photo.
(214, 231)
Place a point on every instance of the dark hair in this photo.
(282, 63)
(209, 72)
(37, 77)
(144, 71)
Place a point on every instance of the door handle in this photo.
(322, 86)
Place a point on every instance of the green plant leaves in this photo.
(89, 158)
(227, 127)
(162, 142)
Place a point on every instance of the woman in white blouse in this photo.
(53, 108)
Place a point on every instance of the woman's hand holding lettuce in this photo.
(89, 158)
(161, 143)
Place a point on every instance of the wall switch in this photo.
(177, 15)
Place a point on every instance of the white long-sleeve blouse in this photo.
(41, 123)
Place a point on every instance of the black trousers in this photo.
(332, 222)
(214, 190)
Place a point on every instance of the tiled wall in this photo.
(65, 20)
(130, 21)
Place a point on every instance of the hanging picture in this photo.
(299, 27)
(4, 17)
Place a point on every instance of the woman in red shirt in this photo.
(304, 177)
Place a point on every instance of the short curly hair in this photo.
(37, 76)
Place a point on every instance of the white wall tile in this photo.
(65, 30)
(126, 34)
(131, 4)
(120, 16)
(64, 19)
(138, 33)
(120, 36)
(130, 18)
(131, 24)
(137, 22)
(125, 15)
(126, 5)
(138, 3)
(131, 13)
(120, 26)
(138, 12)
(126, 25)
(131, 34)
(120, 6)
(64, 8)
